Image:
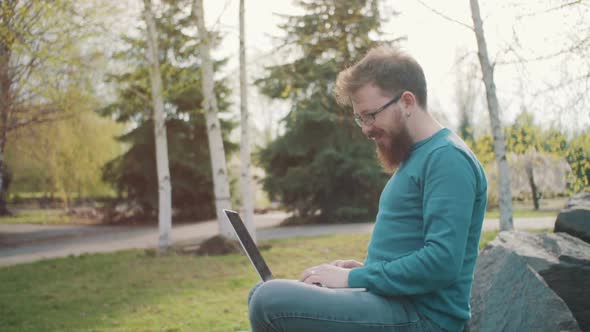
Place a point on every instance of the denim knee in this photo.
(254, 290)
(265, 299)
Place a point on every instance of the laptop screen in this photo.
(248, 245)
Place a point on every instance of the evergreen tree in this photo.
(134, 173)
(323, 168)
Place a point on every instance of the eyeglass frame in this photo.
(370, 118)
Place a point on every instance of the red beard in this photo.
(398, 150)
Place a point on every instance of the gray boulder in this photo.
(508, 295)
(562, 260)
(574, 219)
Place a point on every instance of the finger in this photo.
(308, 272)
(312, 279)
(337, 262)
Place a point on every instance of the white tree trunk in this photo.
(218, 164)
(505, 195)
(246, 181)
(164, 185)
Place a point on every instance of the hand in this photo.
(346, 263)
(328, 275)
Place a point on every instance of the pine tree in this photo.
(322, 168)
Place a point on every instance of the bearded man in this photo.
(421, 258)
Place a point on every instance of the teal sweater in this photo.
(425, 240)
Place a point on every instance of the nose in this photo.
(366, 129)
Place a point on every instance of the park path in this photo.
(28, 243)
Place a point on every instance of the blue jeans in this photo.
(288, 305)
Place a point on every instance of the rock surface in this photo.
(574, 219)
(508, 295)
(562, 260)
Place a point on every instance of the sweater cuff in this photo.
(356, 278)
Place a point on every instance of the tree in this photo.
(246, 180)
(522, 138)
(578, 156)
(483, 147)
(466, 95)
(505, 195)
(164, 190)
(322, 168)
(557, 75)
(134, 173)
(37, 39)
(63, 159)
(218, 163)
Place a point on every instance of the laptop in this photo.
(254, 254)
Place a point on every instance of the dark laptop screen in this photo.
(248, 245)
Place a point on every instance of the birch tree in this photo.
(218, 163)
(505, 195)
(164, 186)
(246, 182)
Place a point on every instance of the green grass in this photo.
(523, 213)
(548, 207)
(487, 237)
(37, 216)
(57, 216)
(27, 194)
(136, 291)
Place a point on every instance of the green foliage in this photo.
(63, 159)
(48, 64)
(522, 135)
(134, 174)
(323, 168)
(483, 147)
(578, 156)
(554, 142)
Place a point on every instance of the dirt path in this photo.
(29, 243)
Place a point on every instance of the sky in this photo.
(436, 43)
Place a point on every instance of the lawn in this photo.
(37, 216)
(138, 291)
(548, 207)
(58, 216)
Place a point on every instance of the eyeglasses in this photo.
(368, 119)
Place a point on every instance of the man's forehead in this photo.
(368, 92)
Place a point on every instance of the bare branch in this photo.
(441, 14)
(562, 6)
(562, 85)
(49, 115)
(216, 25)
(522, 60)
(140, 94)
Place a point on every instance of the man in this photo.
(421, 258)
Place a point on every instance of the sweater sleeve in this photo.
(448, 198)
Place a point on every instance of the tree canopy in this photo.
(322, 166)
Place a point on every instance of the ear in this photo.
(408, 99)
